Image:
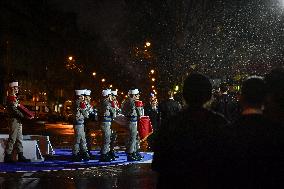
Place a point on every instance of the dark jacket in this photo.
(256, 153)
(153, 114)
(185, 147)
(168, 108)
(13, 111)
(227, 106)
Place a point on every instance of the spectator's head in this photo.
(197, 90)
(253, 92)
(275, 91)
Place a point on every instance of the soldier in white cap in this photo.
(80, 146)
(106, 114)
(14, 120)
(131, 112)
(116, 110)
(93, 116)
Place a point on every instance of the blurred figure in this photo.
(274, 107)
(151, 110)
(224, 103)
(169, 107)
(186, 144)
(15, 117)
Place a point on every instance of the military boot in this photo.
(22, 158)
(131, 157)
(138, 156)
(112, 155)
(8, 158)
(76, 158)
(105, 158)
(85, 156)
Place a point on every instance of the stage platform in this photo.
(62, 160)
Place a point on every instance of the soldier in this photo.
(106, 114)
(92, 117)
(15, 117)
(116, 110)
(140, 112)
(81, 113)
(131, 112)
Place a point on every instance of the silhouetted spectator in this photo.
(151, 109)
(256, 143)
(224, 103)
(186, 145)
(274, 107)
(169, 107)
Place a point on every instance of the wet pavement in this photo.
(134, 176)
(61, 135)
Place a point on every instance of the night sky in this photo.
(225, 39)
(242, 34)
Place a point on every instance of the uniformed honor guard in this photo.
(132, 114)
(116, 110)
(106, 114)
(93, 116)
(15, 125)
(81, 113)
(140, 112)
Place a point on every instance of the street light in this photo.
(110, 85)
(153, 86)
(94, 73)
(70, 58)
(152, 71)
(153, 79)
(103, 79)
(148, 44)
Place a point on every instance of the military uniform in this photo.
(116, 110)
(130, 110)
(93, 116)
(106, 114)
(80, 144)
(15, 125)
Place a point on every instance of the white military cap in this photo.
(114, 93)
(88, 92)
(106, 92)
(80, 92)
(14, 84)
(133, 91)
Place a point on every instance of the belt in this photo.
(132, 118)
(106, 119)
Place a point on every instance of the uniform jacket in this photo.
(12, 104)
(115, 108)
(93, 113)
(130, 110)
(106, 111)
(81, 112)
